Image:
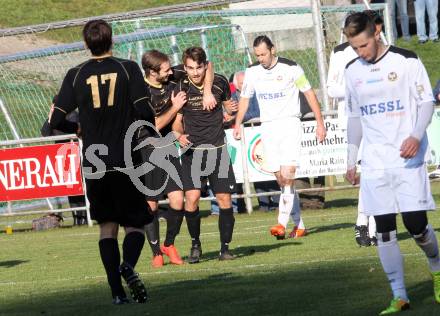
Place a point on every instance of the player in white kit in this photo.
(277, 81)
(389, 106)
(365, 228)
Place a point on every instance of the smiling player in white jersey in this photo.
(277, 81)
(390, 104)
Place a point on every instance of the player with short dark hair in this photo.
(161, 80)
(342, 54)
(110, 94)
(200, 133)
(277, 83)
(389, 106)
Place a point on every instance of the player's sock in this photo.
(285, 205)
(132, 247)
(193, 224)
(371, 226)
(295, 214)
(427, 241)
(226, 222)
(111, 259)
(174, 222)
(362, 219)
(152, 232)
(392, 262)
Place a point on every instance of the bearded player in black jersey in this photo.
(200, 133)
(165, 178)
(110, 94)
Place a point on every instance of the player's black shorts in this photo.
(114, 198)
(166, 175)
(214, 164)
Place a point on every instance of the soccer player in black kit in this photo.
(110, 95)
(202, 138)
(165, 178)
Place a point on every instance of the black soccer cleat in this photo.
(373, 241)
(361, 235)
(195, 254)
(120, 300)
(226, 255)
(137, 288)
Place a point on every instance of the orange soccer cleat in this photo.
(172, 253)
(157, 261)
(278, 231)
(297, 232)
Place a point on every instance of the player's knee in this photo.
(224, 200)
(415, 222)
(176, 200)
(129, 230)
(153, 206)
(108, 230)
(386, 237)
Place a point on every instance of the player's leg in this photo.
(226, 223)
(424, 235)
(174, 222)
(288, 204)
(222, 181)
(372, 230)
(414, 193)
(392, 261)
(361, 228)
(132, 247)
(153, 237)
(111, 259)
(193, 222)
(299, 229)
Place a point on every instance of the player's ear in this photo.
(272, 50)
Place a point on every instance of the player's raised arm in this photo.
(209, 101)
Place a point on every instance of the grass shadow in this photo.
(12, 263)
(341, 203)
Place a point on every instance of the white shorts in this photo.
(281, 140)
(397, 189)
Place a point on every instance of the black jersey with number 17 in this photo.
(107, 92)
(204, 127)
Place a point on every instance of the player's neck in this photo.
(106, 54)
(153, 82)
(381, 50)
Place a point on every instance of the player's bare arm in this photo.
(314, 105)
(178, 101)
(243, 105)
(179, 131)
(231, 106)
(209, 101)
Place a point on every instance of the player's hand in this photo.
(409, 147)
(351, 177)
(184, 140)
(320, 132)
(227, 117)
(231, 106)
(209, 101)
(237, 132)
(179, 99)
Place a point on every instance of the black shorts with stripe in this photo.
(166, 171)
(213, 164)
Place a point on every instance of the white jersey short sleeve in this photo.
(277, 89)
(385, 95)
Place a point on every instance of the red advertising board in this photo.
(40, 172)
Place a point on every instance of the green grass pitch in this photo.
(59, 272)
